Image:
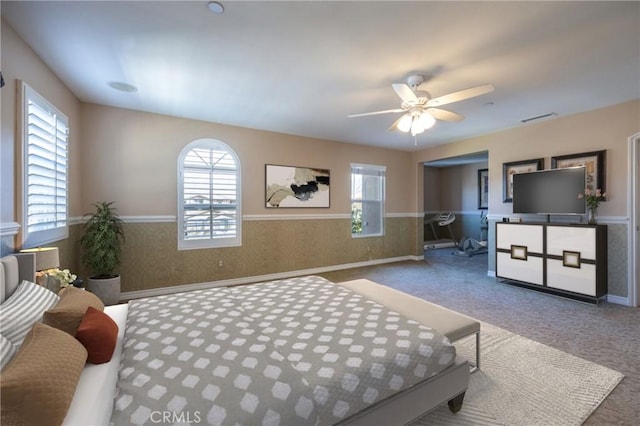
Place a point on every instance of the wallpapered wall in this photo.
(151, 259)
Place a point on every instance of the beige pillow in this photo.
(37, 386)
(68, 313)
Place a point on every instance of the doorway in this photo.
(452, 206)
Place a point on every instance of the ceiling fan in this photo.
(420, 110)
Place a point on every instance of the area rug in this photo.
(523, 382)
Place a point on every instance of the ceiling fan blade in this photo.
(405, 92)
(386, 111)
(461, 95)
(443, 114)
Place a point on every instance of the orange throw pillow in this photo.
(98, 333)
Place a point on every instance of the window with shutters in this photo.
(209, 213)
(45, 138)
(367, 200)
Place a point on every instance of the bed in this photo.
(280, 352)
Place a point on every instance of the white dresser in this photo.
(570, 260)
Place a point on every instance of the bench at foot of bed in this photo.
(452, 324)
(455, 404)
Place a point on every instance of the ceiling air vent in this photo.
(539, 117)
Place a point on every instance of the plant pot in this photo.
(52, 284)
(107, 289)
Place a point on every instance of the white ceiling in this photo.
(302, 67)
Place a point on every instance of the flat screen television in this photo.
(550, 192)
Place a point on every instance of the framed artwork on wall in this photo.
(483, 189)
(290, 186)
(515, 167)
(595, 164)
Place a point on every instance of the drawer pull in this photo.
(571, 259)
(519, 252)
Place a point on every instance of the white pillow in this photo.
(7, 351)
(23, 309)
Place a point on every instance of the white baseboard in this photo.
(258, 278)
(618, 300)
(491, 274)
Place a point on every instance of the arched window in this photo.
(209, 198)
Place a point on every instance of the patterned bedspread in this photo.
(288, 352)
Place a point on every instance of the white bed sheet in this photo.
(93, 401)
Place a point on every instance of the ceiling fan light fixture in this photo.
(426, 120)
(416, 127)
(420, 122)
(405, 123)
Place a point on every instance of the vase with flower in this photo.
(56, 279)
(592, 199)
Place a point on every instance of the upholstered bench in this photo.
(452, 324)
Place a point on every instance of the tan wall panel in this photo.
(131, 157)
(151, 259)
(605, 128)
(20, 62)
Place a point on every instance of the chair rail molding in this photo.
(9, 229)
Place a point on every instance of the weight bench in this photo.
(452, 324)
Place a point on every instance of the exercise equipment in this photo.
(469, 246)
(443, 219)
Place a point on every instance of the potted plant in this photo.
(102, 242)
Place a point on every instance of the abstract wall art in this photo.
(290, 186)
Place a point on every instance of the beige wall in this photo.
(603, 129)
(19, 62)
(131, 157)
(606, 128)
(431, 183)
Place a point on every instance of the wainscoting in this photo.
(270, 246)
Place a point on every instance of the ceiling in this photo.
(302, 67)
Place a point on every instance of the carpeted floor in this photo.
(607, 334)
(523, 382)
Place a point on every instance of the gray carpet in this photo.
(608, 334)
(523, 382)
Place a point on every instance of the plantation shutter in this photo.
(210, 196)
(46, 135)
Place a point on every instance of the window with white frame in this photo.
(45, 153)
(367, 200)
(209, 213)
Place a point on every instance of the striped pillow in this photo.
(23, 309)
(7, 351)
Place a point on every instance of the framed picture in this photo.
(595, 164)
(483, 189)
(289, 186)
(510, 169)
